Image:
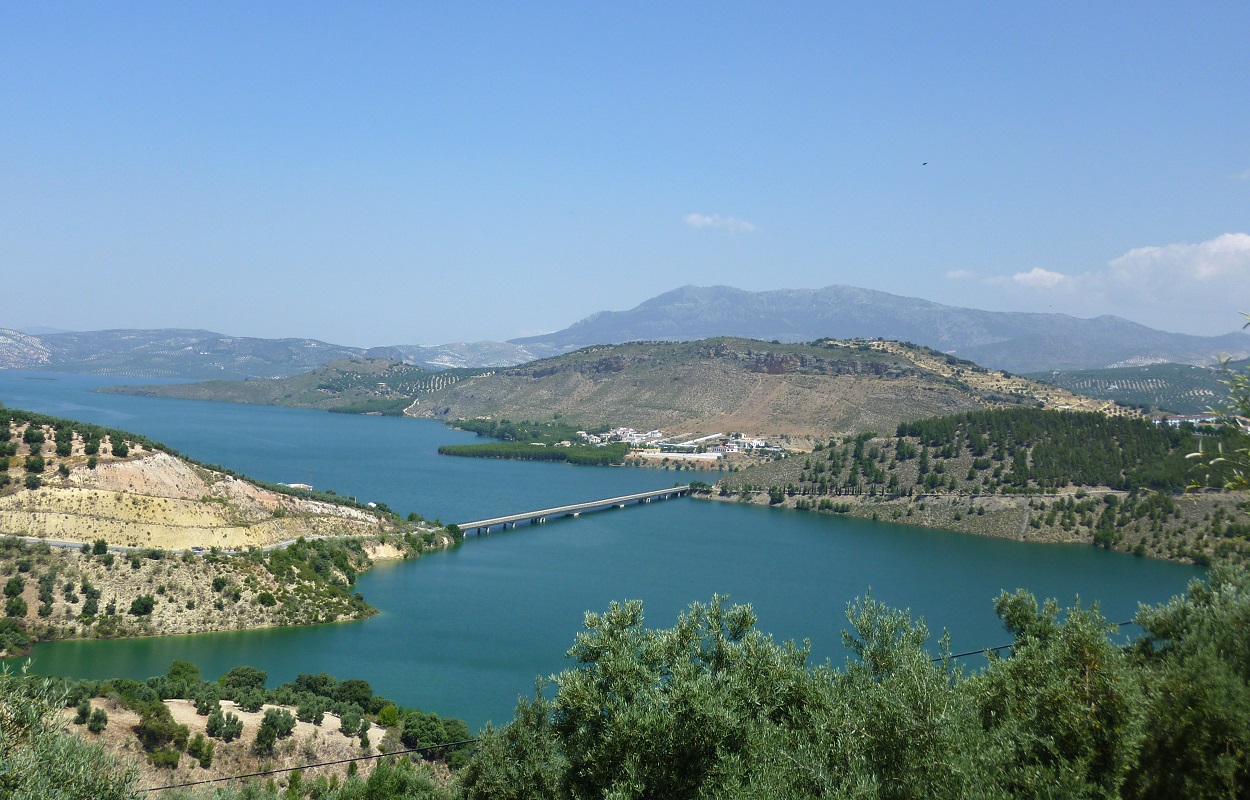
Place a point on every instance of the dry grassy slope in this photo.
(152, 499)
(742, 385)
(308, 744)
(995, 381)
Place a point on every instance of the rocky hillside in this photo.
(729, 384)
(62, 483)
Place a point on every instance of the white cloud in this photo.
(730, 224)
(1224, 257)
(1197, 287)
(1039, 278)
(960, 274)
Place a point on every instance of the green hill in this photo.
(1019, 473)
(1176, 388)
(354, 385)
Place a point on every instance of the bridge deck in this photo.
(574, 508)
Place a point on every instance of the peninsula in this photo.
(109, 534)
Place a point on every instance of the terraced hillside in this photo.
(1175, 388)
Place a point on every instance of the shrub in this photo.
(15, 607)
(142, 605)
(83, 712)
(310, 710)
(242, 678)
(251, 700)
(226, 727)
(99, 719)
(166, 757)
(33, 481)
(202, 749)
(281, 721)
(349, 723)
(266, 599)
(388, 717)
(205, 702)
(157, 728)
(266, 737)
(277, 724)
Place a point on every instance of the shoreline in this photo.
(1011, 517)
(190, 601)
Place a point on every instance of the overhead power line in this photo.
(310, 766)
(982, 651)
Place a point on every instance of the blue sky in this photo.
(390, 173)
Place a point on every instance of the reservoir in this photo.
(464, 632)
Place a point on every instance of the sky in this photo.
(402, 173)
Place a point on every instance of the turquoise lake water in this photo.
(464, 632)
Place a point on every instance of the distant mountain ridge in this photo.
(200, 354)
(1014, 341)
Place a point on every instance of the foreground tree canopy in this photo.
(714, 708)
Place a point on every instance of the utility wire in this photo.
(1000, 647)
(474, 741)
(310, 766)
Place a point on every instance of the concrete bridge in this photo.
(481, 526)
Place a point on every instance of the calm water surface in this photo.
(464, 632)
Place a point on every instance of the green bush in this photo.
(157, 728)
(142, 605)
(98, 721)
(226, 727)
(166, 757)
(202, 749)
(349, 723)
(15, 607)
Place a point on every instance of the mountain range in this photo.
(1013, 341)
(206, 355)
